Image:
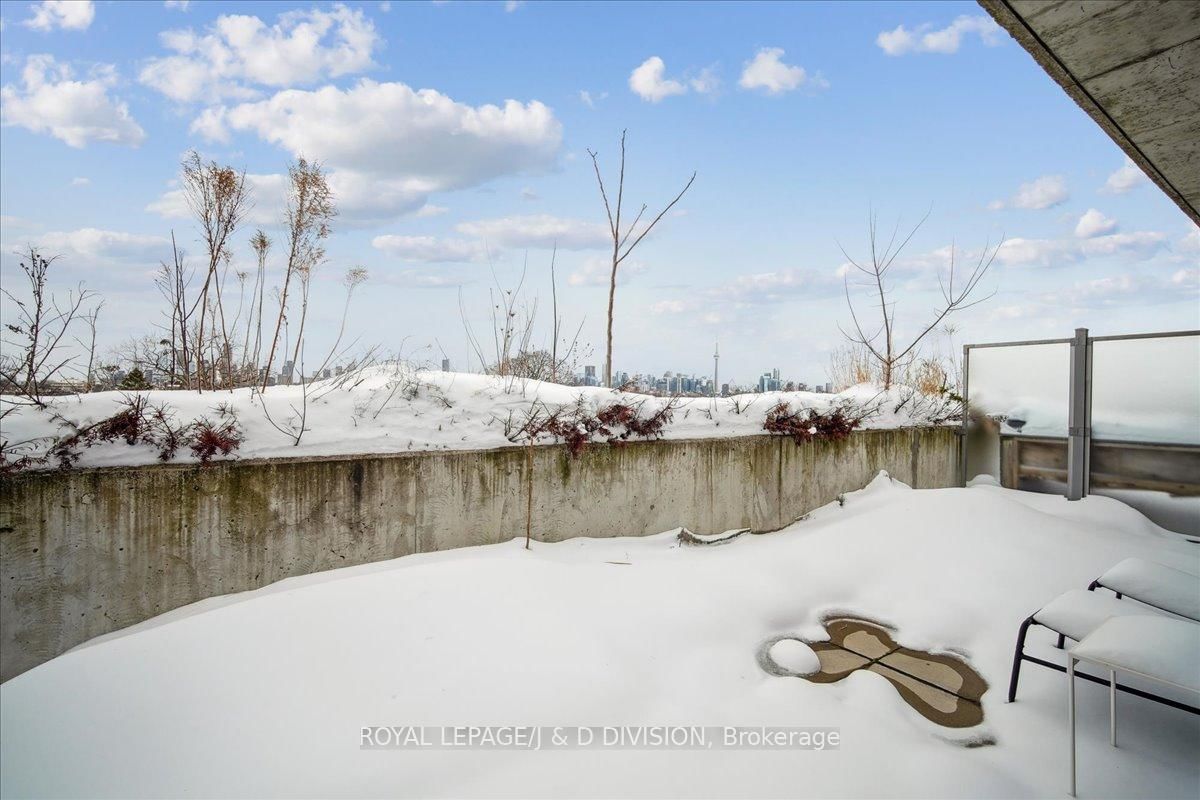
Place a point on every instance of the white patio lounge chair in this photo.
(1155, 585)
(1072, 615)
(1157, 648)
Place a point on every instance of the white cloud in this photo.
(390, 129)
(1044, 192)
(241, 52)
(926, 39)
(1124, 291)
(650, 83)
(670, 307)
(1125, 179)
(385, 6)
(429, 248)
(512, 5)
(429, 210)
(81, 182)
(589, 99)
(767, 71)
(539, 230)
(598, 272)
(74, 15)
(90, 246)
(51, 101)
(1094, 223)
(770, 287)
(362, 200)
(1190, 243)
(1138, 245)
(389, 147)
(181, 5)
(706, 81)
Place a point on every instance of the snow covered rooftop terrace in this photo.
(266, 693)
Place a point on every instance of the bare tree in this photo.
(956, 295)
(310, 209)
(218, 199)
(621, 246)
(262, 246)
(173, 281)
(354, 277)
(36, 332)
(556, 321)
(90, 346)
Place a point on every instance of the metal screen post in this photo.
(1079, 431)
(966, 416)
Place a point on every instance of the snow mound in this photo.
(795, 657)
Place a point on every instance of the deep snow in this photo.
(393, 408)
(265, 693)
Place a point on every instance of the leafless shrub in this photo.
(808, 424)
(34, 348)
(219, 199)
(577, 427)
(310, 210)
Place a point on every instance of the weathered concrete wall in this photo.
(86, 552)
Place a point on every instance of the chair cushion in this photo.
(1078, 612)
(1165, 587)
(1159, 647)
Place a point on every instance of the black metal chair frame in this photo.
(1020, 655)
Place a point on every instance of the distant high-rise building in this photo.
(445, 365)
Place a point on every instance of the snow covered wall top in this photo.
(395, 409)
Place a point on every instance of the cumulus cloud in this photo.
(766, 71)
(239, 53)
(87, 247)
(50, 100)
(392, 129)
(649, 82)
(1094, 223)
(1127, 178)
(598, 272)
(362, 200)
(1044, 192)
(927, 39)
(1138, 245)
(539, 230)
(389, 147)
(72, 15)
(429, 249)
(266, 192)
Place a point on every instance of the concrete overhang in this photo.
(1134, 67)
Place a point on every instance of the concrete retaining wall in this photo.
(86, 552)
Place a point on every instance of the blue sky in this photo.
(455, 129)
